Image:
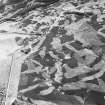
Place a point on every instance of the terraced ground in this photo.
(52, 52)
